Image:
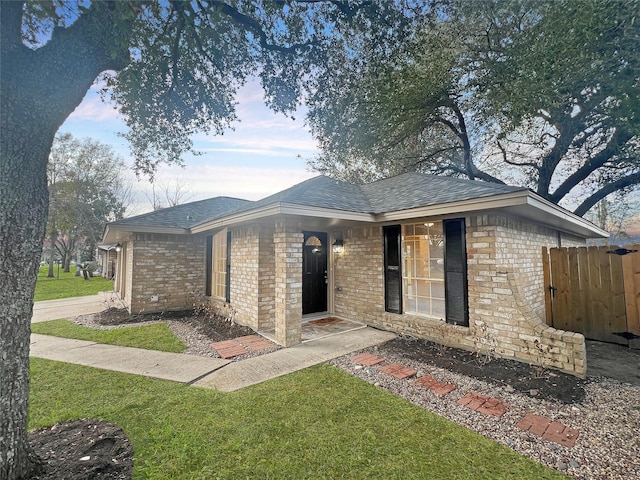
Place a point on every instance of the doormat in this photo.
(325, 321)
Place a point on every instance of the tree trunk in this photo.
(24, 149)
(38, 90)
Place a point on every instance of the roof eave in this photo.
(114, 233)
(523, 203)
(460, 207)
(277, 209)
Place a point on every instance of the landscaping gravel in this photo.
(607, 417)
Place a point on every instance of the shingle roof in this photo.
(186, 215)
(409, 190)
(320, 192)
(412, 190)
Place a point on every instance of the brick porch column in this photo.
(288, 239)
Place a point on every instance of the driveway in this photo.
(613, 361)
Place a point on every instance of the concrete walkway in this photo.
(206, 372)
(72, 307)
(150, 363)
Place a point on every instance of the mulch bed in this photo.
(82, 450)
(530, 380)
(215, 327)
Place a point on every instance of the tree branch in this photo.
(505, 158)
(620, 184)
(617, 141)
(251, 25)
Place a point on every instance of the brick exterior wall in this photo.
(288, 239)
(166, 272)
(506, 296)
(267, 275)
(245, 275)
(504, 272)
(253, 276)
(359, 276)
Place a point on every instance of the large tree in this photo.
(85, 185)
(174, 69)
(539, 93)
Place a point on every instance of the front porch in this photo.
(318, 326)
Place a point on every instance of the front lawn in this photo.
(156, 336)
(319, 423)
(68, 285)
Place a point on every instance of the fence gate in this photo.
(594, 291)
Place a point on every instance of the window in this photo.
(220, 265)
(433, 270)
(423, 269)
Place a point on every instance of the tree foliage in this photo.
(173, 68)
(85, 192)
(543, 94)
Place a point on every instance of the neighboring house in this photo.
(107, 258)
(455, 261)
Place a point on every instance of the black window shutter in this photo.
(392, 269)
(208, 259)
(455, 266)
(227, 290)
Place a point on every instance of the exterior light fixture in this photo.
(338, 246)
(118, 247)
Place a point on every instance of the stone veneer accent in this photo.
(167, 267)
(288, 239)
(506, 296)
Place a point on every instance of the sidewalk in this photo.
(72, 307)
(206, 372)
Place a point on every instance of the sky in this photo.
(264, 154)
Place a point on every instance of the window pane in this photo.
(219, 286)
(423, 260)
(437, 308)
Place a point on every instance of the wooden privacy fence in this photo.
(594, 291)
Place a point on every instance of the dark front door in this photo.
(314, 272)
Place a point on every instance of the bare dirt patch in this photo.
(82, 450)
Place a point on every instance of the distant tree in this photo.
(168, 194)
(85, 183)
(538, 93)
(174, 68)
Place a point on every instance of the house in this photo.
(455, 261)
(107, 257)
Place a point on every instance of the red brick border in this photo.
(549, 430)
(368, 359)
(484, 404)
(398, 371)
(436, 387)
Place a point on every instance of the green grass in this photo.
(68, 285)
(319, 423)
(156, 336)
